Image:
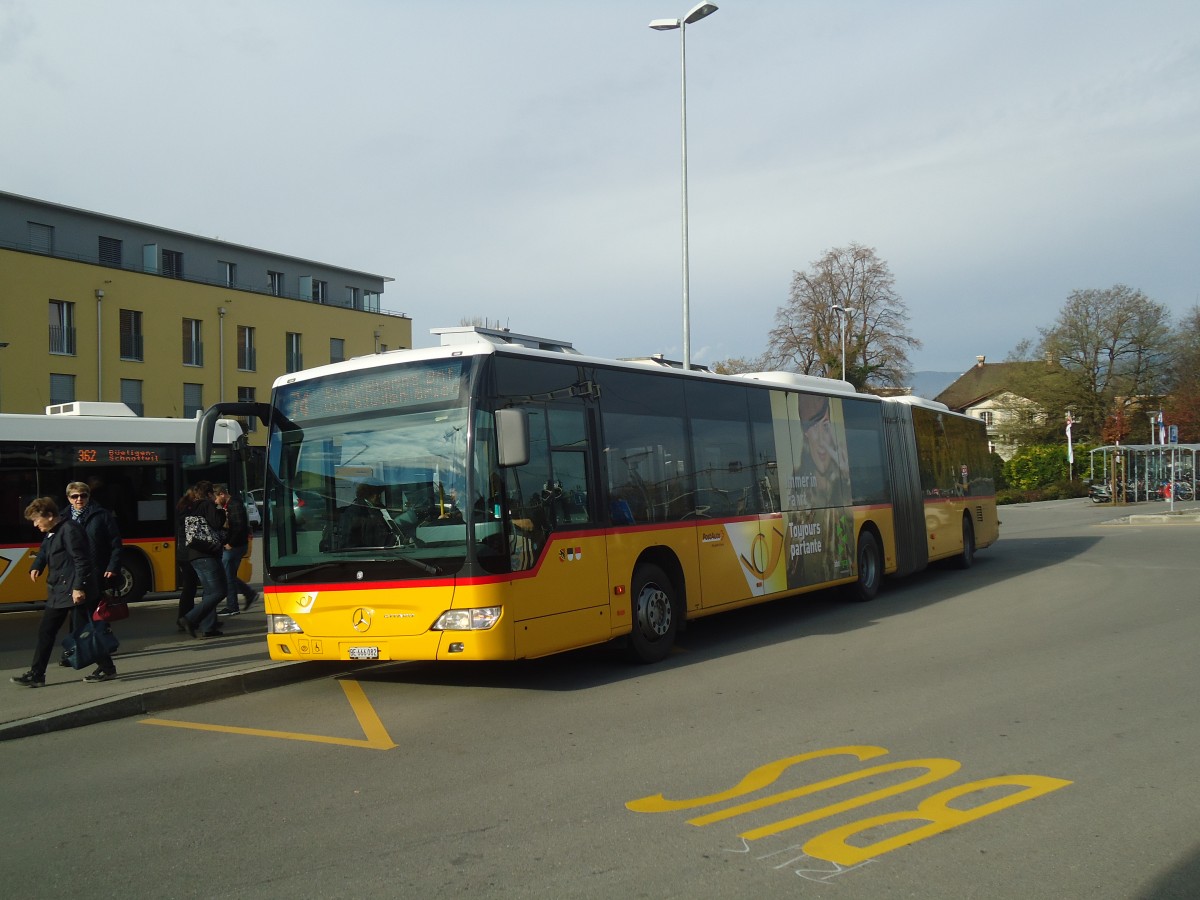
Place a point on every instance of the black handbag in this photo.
(199, 535)
(81, 646)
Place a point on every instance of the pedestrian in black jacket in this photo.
(237, 545)
(104, 539)
(72, 584)
(206, 561)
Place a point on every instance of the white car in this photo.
(253, 503)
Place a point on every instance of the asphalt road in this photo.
(1039, 710)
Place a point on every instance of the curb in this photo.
(153, 700)
(1164, 519)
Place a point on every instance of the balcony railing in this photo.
(62, 340)
(370, 303)
(193, 353)
(131, 347)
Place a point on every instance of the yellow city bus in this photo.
(137, 468)
(486, 501)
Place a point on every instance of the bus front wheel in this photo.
(655, 615)
(870, 568)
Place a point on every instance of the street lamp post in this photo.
(842, 313)
(697, 13)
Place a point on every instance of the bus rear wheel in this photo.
(132, 581)
(655, 615)
(966, 559)
(870, 569)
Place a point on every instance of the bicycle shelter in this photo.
(1145, 467)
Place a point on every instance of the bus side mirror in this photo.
(207, 423)
(512, 437)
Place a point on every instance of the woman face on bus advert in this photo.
(820, 438)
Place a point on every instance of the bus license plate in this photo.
(364, 653)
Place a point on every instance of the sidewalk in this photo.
(158, 668)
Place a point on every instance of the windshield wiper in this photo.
(420, 564)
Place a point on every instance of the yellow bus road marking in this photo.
(931, 816)
(376, 738)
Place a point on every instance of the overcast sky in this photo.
(520, 161)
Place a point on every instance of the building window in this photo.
(229, 273)
(62, 389)
(353, 297)
(172, 263)
(193, 347)
(988, 417)
(294, 358)
(131, 395)
(337, 350)
(245, 349)
(275, 283)
(320, 291)
(41, 238)
(193, 400)
(131, 335)
(110, 251)
(371, 301)
(62, 327)
(246, 395)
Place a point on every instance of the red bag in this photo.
(109, 610)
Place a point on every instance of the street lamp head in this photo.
(695, 14)
(698, 12)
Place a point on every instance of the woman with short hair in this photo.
(72, 584)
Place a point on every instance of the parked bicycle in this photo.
(1180, 490)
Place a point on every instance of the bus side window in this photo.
(569, 456)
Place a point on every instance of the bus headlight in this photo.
(277, 624)
(468, 619)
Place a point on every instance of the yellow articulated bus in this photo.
(488, 501)
(137, 468)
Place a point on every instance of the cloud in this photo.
(519, 163)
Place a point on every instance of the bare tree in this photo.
(737, 365)
(807, 334)
(1182, 406)
(1113, 345)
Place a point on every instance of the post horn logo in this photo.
(764, 556)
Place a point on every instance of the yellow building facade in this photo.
(93, 307)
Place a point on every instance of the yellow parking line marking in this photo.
(376, 738)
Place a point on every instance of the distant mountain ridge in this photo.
(930, 384)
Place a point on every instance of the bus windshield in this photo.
(366, 473)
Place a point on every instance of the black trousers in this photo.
(52, 622)
(185, 577)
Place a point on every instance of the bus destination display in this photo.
(133, 455)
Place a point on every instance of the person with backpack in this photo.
(201, 524)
